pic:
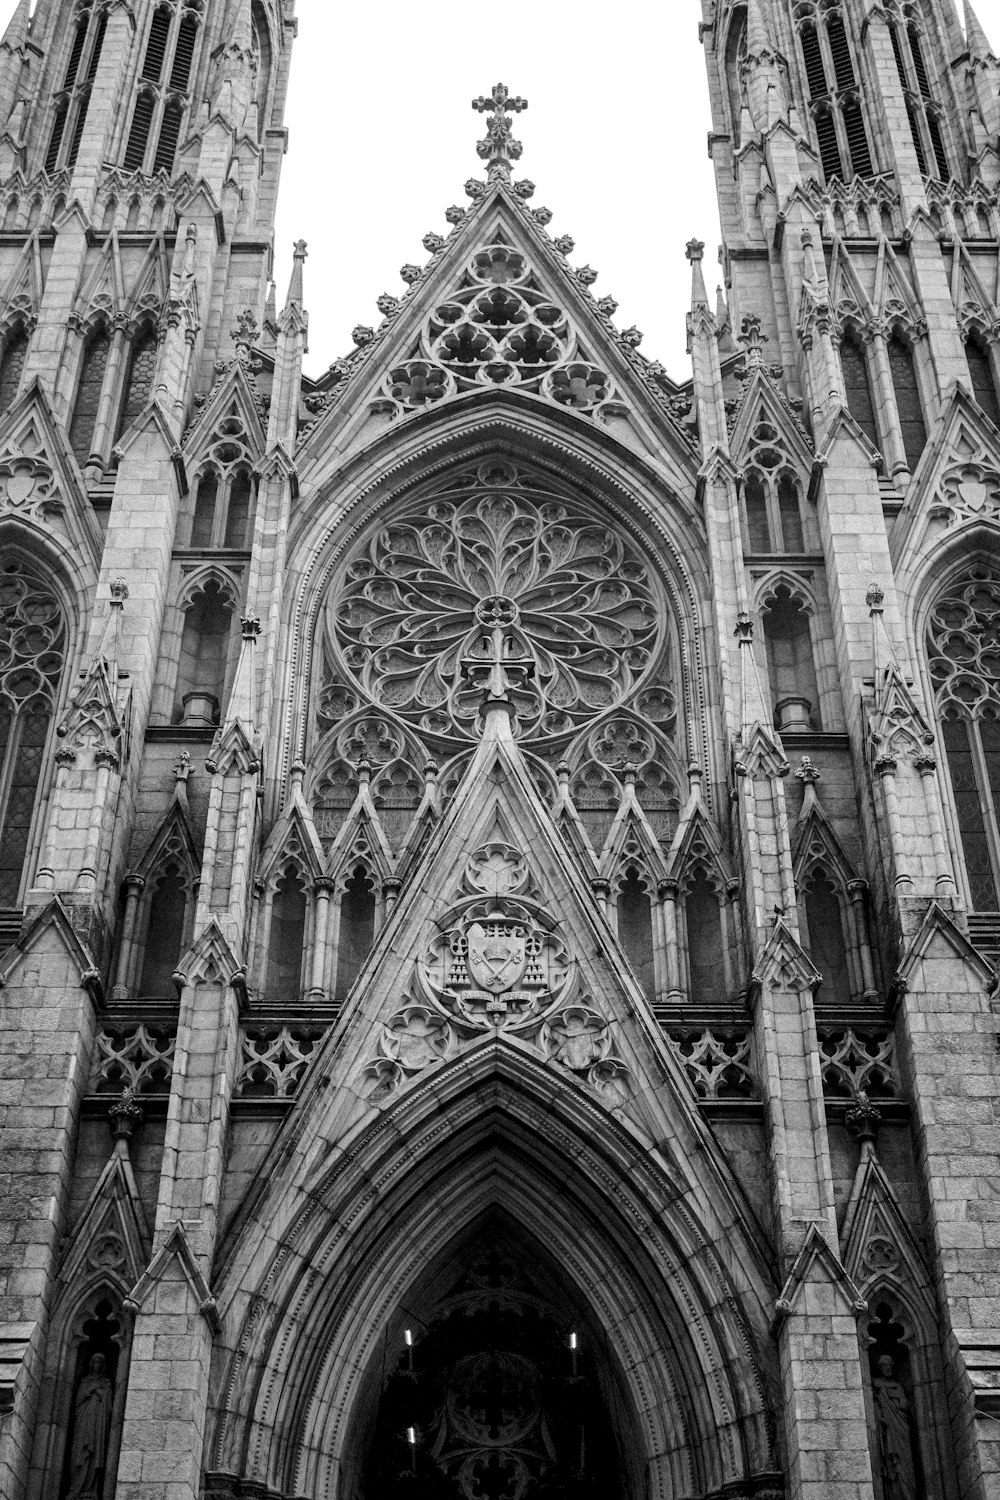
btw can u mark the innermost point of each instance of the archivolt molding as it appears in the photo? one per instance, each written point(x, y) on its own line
point(320, 550)
point(489, 1132)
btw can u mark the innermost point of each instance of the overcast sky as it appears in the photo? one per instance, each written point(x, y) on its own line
point(383, 137)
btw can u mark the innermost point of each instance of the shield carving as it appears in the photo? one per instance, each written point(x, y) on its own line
point(497, 955)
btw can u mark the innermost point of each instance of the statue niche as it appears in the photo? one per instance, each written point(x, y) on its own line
point(897, 1449)
point(92, 1413)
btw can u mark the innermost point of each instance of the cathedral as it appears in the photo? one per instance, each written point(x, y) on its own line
point(499, 848)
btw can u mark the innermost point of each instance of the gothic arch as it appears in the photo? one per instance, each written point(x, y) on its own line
point(614, 484)
point(685, 1331)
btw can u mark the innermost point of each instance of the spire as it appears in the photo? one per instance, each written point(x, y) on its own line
point(237, 68)
point(765, 92)
point(499, 148)
point(975, 36)
point(758, 41)
point(242, 708)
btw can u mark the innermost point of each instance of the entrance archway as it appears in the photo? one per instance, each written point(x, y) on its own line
point(500, 1396)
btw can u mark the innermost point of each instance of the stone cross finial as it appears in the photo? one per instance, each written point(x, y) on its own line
point(753, 341)
point(499, 148)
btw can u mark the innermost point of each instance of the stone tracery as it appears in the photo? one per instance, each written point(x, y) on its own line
point(498, 548)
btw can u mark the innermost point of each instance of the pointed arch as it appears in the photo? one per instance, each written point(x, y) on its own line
point(137, 387)
point(159, 912)
point(94, 358)
point(289, 924)
point(572, 1180)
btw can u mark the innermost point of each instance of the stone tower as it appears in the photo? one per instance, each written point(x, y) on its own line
point(499, 851)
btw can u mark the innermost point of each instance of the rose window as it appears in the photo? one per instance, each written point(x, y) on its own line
point(497, 557)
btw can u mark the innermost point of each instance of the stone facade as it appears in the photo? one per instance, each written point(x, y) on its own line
point(499, 851)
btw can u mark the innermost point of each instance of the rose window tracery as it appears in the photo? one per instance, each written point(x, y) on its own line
point(499, 328)
point(496, 551)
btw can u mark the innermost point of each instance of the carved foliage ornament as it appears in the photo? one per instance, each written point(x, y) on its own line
point(425, 594)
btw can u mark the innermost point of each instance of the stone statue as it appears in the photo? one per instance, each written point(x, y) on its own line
point(91, 1425)
point(895, 1435)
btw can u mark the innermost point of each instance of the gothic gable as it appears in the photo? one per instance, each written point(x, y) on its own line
point(498, 309)
point(40, 488)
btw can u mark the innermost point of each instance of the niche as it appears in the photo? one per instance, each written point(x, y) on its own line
point(357, 930)
point(790, 666)
point(635, 928)
point(201, 672)
point(705, 943)
point(164, 935)
point(286, 938)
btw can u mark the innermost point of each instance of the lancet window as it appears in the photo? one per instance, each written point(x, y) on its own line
point(923, 113)
point(635, 926)
point(225, 492)
point(162, 94)
point(857, 385)
point(33, 638)
point(74, 97)
point(207, 645)
point(824, 937)
point(705, 947)
point(962, 633)
point(286, 937)
point(834, 98)
point(90, 385)
point(906, 389)
point(736, 53)
point(773, 513)
point(356, 934)
point(984, 388)
point(15, 351)
point(169, 914)
point(138, 386)
point(791, 665)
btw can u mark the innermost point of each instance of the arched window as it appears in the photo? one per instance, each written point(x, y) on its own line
point(908, 407)
point(357, 930)
point(705, 942)
point(222, 509)
point(33, 632)
point(825, 938)
point(81, 69)
point(139, 382)
point(857, 386)
point(981, 375)
point(12, 367)
point(286, 938)
point(840, 127)
point(791, 669)
point(165, 931)
point(774, 517)
point(93, 367)
point(158, 113)
point(237, 509)
point(204, 659)
point(203, 525)
point(736, 52)
point(635, 928)
point(965, 670)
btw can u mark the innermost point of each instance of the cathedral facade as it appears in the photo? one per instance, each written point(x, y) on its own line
point(499, 850)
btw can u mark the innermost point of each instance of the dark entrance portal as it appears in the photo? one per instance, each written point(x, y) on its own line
point(493, 1402)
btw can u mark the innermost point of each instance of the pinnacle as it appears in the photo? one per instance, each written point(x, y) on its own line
point(17, 31)
point(699, 295)
point(295, 287)
point(758, 41)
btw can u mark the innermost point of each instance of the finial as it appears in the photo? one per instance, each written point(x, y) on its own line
point(244, 334)
point(753, 341)
point(499, 148)
point(695, 252)
point(807, 772)
point(182, 768)
point(251, 627)
point(295, 289)
point(295, 776)
point(499, 664)
point(125, 1114)
point(863, 1118)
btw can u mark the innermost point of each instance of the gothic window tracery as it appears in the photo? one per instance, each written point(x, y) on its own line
point(824, 938)
point(32, 654)
point(771, 497)
point(225, 491)
point(791, 665)
point(834, 96)
point(15, 351)
point(499, 551)
point(906, 388)
point(163, 89)
point(73, 98)
point(963, 633)
point(498, 327)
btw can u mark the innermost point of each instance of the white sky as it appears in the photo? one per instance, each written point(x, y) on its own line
point(383, 137)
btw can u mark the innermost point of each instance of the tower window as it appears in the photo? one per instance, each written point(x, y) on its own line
point(204, 659)
point(88, 394)
point(840, 127)
point(980, 373)
point(966, 677)
point(158, 117)
point(139, 385)
point(164, 934)
point(858, 387)
point(925, 129)
point(826, 943)
point(71, 110)
point(908, 407)
point(33, 630)
point(12, 367)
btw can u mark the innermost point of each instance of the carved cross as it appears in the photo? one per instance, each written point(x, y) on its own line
point(499, 664)
point(499, 148)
